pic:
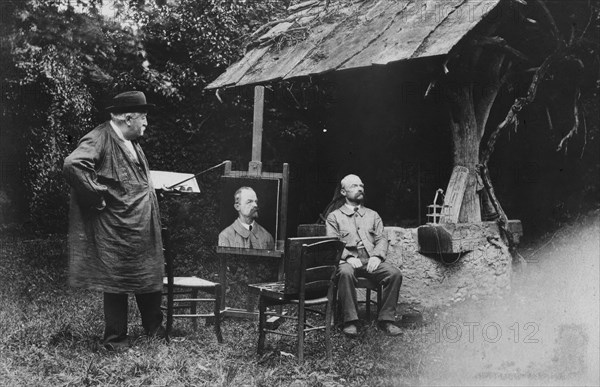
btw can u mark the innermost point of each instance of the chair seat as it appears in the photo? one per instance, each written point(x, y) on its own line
point(275, 290)
point(190, 282)
point(309, 302)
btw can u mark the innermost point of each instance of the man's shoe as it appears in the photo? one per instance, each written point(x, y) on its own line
point(117, 346)
point(389, 328)
point(159, 333)
point(350, 330)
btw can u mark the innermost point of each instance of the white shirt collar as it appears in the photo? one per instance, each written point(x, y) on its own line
point(246, 226)
point(352, 207)
point(128, 143)
point(117, 131)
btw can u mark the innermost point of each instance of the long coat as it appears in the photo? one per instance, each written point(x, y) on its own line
point(116, 249)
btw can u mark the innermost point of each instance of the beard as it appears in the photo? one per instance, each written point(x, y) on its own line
point(358, 198)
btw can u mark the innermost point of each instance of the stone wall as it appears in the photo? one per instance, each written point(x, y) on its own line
point(429, 282)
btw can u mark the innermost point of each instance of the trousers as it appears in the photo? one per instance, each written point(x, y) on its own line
point(115, 314)
point(387, 275)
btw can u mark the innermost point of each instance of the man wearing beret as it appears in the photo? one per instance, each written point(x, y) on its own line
point(364, 256)
point(115, 241)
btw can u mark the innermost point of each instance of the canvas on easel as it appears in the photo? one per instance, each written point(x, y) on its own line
point(266, 193)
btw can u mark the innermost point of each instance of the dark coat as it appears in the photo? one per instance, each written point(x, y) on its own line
point(117, 249)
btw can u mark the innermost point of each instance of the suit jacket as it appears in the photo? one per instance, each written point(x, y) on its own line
point(118, 248)
point(365, 225)
point(237, 235)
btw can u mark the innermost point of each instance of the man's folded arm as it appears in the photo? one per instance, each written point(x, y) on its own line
point(79, 170)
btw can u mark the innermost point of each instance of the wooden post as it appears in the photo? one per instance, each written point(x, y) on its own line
point(419, 192)
point(283, 213)
point(255, 165)
point(227, 168)
point(466, 138)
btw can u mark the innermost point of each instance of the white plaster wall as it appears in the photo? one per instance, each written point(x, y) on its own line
point(482, 273)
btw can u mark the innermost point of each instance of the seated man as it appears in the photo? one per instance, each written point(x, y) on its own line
point(245, 232)
point(364, 256)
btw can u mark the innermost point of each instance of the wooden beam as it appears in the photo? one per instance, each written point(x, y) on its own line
point(255, 166)
point(283, 216)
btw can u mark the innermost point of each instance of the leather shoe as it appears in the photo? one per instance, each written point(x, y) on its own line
point(389, 328)
point(117, 346)
point(350, 330)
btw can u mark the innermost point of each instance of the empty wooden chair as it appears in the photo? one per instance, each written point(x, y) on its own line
point(189, 289)
point(313, 285)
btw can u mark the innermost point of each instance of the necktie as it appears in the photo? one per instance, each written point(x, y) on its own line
point(250, 236)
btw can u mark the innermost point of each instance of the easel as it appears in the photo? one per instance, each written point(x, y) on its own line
point(255, 171)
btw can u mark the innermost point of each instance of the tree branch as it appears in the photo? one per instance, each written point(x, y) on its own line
point(573, 130)
point(498, 42)
point(517, 106)
point(584, 133)
point(489, 93)
point(550, 19)
point(549, 117)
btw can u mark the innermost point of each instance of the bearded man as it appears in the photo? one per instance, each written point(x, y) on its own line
point(245, 232)
point(364, 256)
point(115, 244)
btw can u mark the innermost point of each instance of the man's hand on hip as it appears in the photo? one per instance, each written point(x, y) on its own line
point(373, 264)
point(354, 262)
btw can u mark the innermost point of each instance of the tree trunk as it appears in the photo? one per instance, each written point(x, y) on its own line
point(466, 139)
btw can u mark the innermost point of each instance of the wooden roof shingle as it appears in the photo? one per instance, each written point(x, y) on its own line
point(352, 34)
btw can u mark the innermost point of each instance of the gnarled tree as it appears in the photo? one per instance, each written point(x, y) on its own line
point(534, 43)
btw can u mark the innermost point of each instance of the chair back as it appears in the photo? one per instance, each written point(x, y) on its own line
point(319, 263)
point(168, 254)
point(311, 229)
point(292, 261)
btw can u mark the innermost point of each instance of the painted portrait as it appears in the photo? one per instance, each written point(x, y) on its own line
point(248, 212)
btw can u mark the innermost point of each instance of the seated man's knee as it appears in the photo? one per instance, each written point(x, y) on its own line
point(345, 270)
point(394, 272)
point(397, 276)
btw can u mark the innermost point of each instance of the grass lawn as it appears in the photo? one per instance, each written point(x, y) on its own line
point(545, 332)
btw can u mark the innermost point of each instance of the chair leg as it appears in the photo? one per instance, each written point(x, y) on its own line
point(328, 313)
point(169, 311)
point(262, 320)
point(368, 303)
point(301, 324)
point(335, 307)
point(193, 309)
point(217, 312)
point(379, 295)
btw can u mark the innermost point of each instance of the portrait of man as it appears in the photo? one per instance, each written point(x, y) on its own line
point(245, 232)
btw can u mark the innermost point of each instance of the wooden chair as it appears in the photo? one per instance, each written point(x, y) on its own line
point(189, 287)
point(318, 263)
point(306, 230)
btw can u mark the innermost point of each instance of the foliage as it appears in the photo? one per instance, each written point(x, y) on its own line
point(58, 63)
point(61, 61)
